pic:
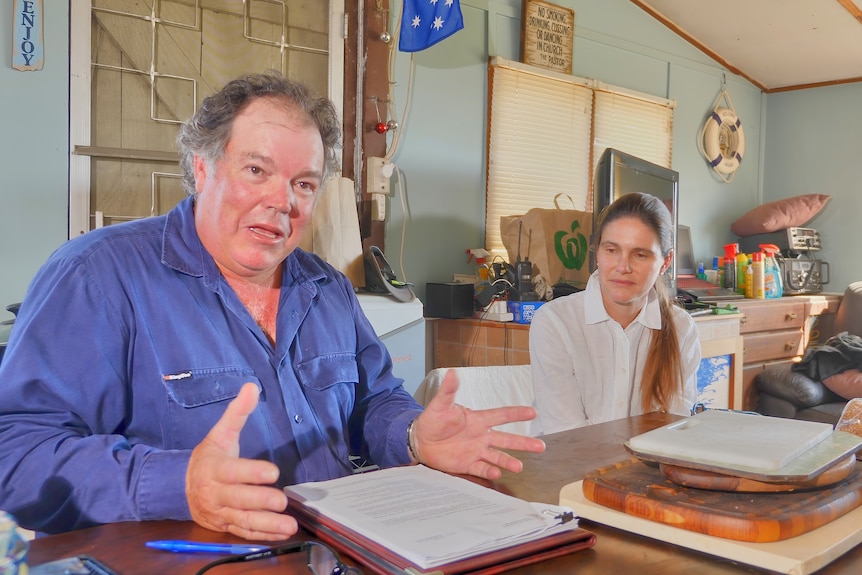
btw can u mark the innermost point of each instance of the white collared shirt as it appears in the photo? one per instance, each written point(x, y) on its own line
point(587, 369)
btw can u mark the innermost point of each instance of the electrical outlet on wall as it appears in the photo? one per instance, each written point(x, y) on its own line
point(378, 208)
point(378, 172)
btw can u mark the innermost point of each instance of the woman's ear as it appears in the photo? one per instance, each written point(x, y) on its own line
point(668, 259)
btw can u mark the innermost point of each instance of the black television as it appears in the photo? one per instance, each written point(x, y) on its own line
point(618, 173)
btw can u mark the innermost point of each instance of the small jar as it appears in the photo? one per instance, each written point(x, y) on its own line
point(13, 547)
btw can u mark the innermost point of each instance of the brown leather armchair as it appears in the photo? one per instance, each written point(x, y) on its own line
point(786, 393)
point(783, 392)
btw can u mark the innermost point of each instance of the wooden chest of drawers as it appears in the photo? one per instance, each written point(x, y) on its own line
point(773, 330)
point(778, 331)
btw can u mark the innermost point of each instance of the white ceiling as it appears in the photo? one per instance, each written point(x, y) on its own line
point(776, 44)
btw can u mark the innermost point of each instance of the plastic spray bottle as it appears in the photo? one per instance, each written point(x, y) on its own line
point(729, 280)
point(741, 268)
point(772, 284)
point(481, 255)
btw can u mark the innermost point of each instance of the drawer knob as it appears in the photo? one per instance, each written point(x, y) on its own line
point(790, 316)
point(789, 345)
point(743, 319)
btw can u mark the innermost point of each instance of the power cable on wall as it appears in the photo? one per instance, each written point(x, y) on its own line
point(399, 126)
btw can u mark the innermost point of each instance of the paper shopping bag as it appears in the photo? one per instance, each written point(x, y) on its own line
point(555, 240)
point(334, 234)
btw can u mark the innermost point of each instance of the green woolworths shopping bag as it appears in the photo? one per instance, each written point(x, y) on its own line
point(556, 241)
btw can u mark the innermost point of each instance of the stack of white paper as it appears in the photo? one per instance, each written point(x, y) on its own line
point(429, 517)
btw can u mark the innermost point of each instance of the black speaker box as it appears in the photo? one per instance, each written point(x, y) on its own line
point(449, 300)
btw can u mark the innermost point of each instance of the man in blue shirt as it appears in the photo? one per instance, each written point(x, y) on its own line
point(187, 366)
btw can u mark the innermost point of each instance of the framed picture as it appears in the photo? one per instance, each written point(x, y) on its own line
point(719, 375)
point(547, 35)
point(713, 382)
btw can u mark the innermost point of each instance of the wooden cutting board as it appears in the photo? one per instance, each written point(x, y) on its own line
point(801, 555)
point(642, 490)
point(696, 478)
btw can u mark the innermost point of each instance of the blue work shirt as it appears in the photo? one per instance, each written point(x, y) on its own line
point(126, 351)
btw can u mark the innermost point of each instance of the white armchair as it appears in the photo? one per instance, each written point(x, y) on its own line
point(485, 388)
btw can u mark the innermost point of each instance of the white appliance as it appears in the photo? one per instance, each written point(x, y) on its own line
point(401, 328)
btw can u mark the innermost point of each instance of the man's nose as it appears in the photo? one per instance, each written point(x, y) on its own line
point(281, 197)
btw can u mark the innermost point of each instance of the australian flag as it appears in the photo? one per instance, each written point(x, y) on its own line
point(426, 22)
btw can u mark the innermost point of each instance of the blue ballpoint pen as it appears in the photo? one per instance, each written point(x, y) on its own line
point(203, 547)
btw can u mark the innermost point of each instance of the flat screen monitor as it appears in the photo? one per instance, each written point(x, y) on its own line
point(684, 254)
point(618, 173)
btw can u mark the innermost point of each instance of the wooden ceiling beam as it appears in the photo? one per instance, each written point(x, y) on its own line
point(851, 7)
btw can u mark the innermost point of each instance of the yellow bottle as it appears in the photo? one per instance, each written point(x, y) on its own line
point(749, 283)
point(741, 268)
point(758, 276)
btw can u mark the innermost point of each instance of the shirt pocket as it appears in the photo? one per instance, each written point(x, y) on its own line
point(197, 399)
point(327, 370)
point(330, 382)
point(199, 387)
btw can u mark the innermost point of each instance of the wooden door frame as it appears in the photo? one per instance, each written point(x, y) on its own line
point(366, 76)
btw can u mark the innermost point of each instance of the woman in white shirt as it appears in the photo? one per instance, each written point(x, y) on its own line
point(621, 347)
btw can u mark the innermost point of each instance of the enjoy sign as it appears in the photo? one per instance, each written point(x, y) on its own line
point(27, 35)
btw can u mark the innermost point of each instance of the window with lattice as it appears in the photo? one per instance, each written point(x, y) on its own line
point(139, 68)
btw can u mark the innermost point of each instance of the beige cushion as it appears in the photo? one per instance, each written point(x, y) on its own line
point(774, 216)
point(847, 384)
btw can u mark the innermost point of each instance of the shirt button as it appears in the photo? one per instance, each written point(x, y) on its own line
point(297, 418)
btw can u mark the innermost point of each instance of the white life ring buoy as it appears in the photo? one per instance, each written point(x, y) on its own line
point(723, 141)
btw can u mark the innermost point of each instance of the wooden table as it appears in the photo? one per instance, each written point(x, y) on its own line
point(569, 456)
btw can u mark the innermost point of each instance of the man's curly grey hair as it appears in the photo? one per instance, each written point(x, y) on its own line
point(207, 132)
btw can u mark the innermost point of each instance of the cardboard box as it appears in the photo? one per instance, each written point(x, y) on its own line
point(524, 310)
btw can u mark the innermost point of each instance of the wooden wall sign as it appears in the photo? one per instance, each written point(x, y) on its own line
point(28, 44)
point(547, 35)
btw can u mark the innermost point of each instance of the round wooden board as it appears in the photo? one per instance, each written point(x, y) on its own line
point(700, 479)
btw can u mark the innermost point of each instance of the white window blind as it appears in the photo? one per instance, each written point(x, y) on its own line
point(633, 125)
point(546, 131)
point(539, 145)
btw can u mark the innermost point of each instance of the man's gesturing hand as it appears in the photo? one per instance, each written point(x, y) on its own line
point(227, 493)
point(452, 438)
